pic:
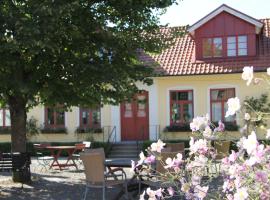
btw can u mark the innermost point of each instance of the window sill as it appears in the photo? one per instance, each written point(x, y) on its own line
point(88, 130)
point(54, 130)
point(177, 128)
point(5, 130)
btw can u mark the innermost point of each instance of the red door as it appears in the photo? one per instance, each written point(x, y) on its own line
point(135, 118)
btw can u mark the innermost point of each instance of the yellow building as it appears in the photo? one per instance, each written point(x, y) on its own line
point(196, 76)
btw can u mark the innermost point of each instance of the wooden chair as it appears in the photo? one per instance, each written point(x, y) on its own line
point(95, 175)
point(180, 147)
point(223, 150)
point(42, 160)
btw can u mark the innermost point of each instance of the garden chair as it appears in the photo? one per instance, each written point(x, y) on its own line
point(223, 150)
point(109, 172)
point(42, 160)
point(95, 175)
point(78, 148)
point(87, 144)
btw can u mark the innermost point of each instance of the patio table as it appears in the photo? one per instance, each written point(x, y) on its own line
point(56, 152)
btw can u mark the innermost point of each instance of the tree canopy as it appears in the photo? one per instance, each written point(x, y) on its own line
point(75, 52)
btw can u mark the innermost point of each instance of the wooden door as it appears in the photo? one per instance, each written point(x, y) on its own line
point(135, 118)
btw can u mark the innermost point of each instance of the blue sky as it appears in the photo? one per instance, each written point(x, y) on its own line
point(190, 11)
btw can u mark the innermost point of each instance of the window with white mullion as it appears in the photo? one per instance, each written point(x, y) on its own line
point(231, 46)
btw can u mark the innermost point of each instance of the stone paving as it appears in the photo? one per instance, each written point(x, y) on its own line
point(52, 184)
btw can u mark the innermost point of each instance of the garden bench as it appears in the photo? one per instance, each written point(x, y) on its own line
point(16, 162)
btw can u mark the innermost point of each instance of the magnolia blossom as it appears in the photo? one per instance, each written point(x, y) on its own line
point(207, 133)
point(233, 156)
point(268, 71)
point(247, 116)
point(221, 127)
point(268, 134)
point(158, 146)
point(150, 159)
point(250, 143)
point(175, 162)
point(233, 106)
point(200, 192)
point(199, 146)
point(199, 123)
point(241, 194)
point(170, 191)
point(152, 194)
point(247, 74)
point(142, 158)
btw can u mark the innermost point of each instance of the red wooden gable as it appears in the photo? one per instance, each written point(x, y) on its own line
point(224, 25)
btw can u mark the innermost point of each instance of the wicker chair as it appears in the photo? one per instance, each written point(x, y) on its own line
point(95, 177)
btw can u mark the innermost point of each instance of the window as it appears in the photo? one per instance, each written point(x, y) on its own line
point(212, 47)
point(218, 101)
point(181, 107)
point(54, 117)
point(237, 46)
point(242, 45)
point(4, 118)
point(90, 118)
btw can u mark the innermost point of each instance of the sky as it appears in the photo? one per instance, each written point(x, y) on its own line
point(190, 11)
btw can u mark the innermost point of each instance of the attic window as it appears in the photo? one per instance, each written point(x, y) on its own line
point(237, 46)
point(212, 47)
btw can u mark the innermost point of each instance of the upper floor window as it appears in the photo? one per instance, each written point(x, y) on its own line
point(90, 118)
point(212, 47)
point(181, 106)
point(218, 104)
point(4, 117)
point(54, 117)
point(237, 46)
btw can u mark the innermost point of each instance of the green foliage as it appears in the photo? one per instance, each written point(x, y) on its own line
point(76, 52)
point(258, 109)
point(32, 127)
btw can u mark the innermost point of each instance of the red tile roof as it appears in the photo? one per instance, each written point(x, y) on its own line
point(179, 59)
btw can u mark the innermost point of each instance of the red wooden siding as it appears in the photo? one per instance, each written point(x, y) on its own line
point(224, 25)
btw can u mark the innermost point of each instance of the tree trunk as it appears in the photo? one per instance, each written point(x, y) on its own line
point(17, 107)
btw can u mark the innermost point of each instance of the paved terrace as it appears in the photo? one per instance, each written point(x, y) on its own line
point(52, 185)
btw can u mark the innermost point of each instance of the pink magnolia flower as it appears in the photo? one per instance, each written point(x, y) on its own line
point(158, 146)
point(170, 191)
point(199, 123)
point(200, 192)
point(142, 158)
point(250, 143)
point(261, 176)
point(247, 74)
point(233, 156)
point(220, 128)
point(241, 194)
point(150, 159)
point(233, 106)
point(199, 146)
point(268, 134)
